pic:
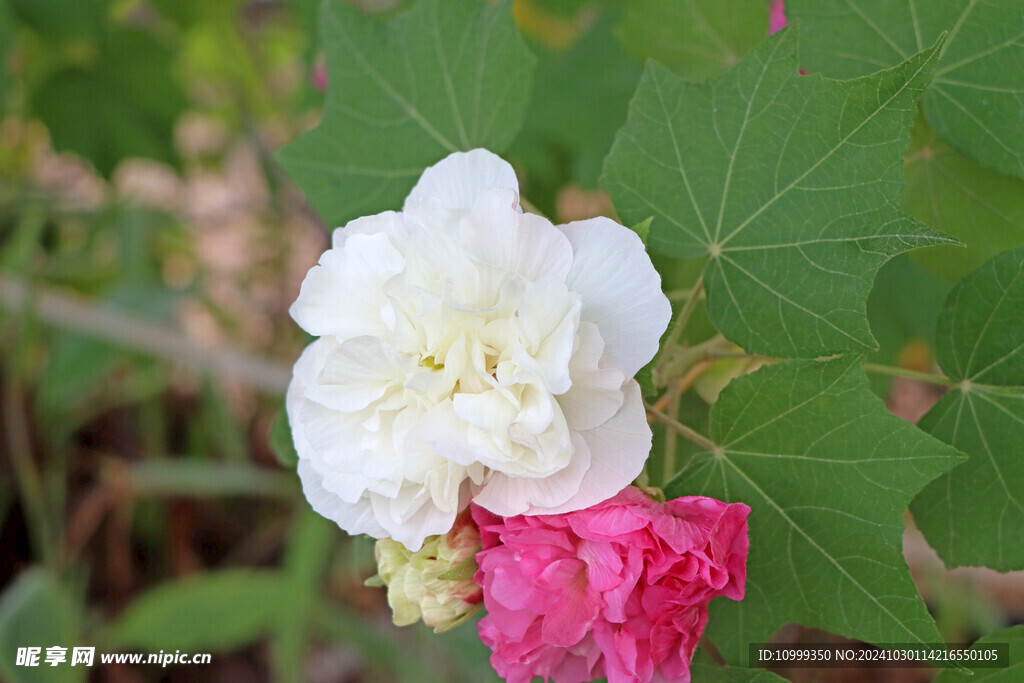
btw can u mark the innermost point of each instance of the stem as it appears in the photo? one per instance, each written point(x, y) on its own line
point(684, 315)
point(29, 481)
point(681, 429)
point(74, 313)
point(911, 374)
point(669, 464)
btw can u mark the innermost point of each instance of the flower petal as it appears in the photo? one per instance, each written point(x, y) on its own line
point(457, 180)
point(596, 392)
point(509, 495)
point(358, 518)
point(344, 295)
point(621, 290)
point(498, 235)
point(618, 450)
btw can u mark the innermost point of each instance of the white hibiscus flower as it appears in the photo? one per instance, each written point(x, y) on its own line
point(469, 350)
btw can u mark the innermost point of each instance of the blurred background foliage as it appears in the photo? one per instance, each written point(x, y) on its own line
point(149, 250)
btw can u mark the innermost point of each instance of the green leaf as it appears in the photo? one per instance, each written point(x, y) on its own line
point(982, 208)
point(1014, 637)
point(976, 102)
point(445, 76)
point(281, 441)
point(37, 611)
point(828, 473)
point(790, 183)
point(6, 44)
point(131, 98)
point(975, 514)
point(198, 478)
point(903, 307)
point(579, 101)
point(697, 39)
point(62, 19)
point(217, 611)
point(703, 670)
point(307, 557)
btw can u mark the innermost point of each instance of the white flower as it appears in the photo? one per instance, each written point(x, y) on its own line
point(470, 350)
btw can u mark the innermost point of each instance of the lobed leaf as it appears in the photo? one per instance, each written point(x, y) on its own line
point(976, 102)
point(697, 39)
point(443, 77)
point(1014, 637)
point(828, 473)
point(790, 183)
point(948, 191)
point(974, 515)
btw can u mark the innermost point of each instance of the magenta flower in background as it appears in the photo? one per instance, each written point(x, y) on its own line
point(620, 589)
point(778, 17)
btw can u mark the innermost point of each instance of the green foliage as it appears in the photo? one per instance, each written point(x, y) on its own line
point(579, 102)
point(975, 100)
point(697, 39)
point(970, 514)
point(791, 188)
point(62, 19)
point(37, 611)
point(828, 473)
point(1014, 636)
point(189, 614)
point(981, 208)
point(703, 670)
point(403, 94)
point(131, 97)
point(281, 441)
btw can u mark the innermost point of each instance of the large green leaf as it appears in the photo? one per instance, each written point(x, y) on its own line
point(703, 670)
point(976, 102)
point(975, 514)
point(982, 208)
point(124, 105)
point(37, 611)
point(62, 19)
point(579, 101)
point(445, 76)
point(790, 183)
point(828, 473)
point(1014, 637)
point(695, 38)
point(216, 611)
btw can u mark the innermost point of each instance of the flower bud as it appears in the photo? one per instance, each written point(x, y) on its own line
point(435, 583)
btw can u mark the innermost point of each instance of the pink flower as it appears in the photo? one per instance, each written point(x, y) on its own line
point(619, 589)
point(778, 17)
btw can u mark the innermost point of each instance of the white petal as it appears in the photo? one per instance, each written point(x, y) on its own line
point(454, 439)
point(358, 518)
point(344, 295)
point(548, 317)
point(618, 451)
point(389, 223)
point(620, 289)
point(596, 392)
point(507, 496)
point(497, 234)
point(357, 372)
point(412, 516)
point(458, 179)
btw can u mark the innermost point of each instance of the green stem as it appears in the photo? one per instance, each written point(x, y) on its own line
point(681, 429)
point(669, 464)
point(911, 374)
point(689, 305)
point(30, 482)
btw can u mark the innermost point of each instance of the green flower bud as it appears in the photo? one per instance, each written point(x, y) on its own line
point(435, 583)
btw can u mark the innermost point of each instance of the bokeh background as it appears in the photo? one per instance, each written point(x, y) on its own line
point(149, 250)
